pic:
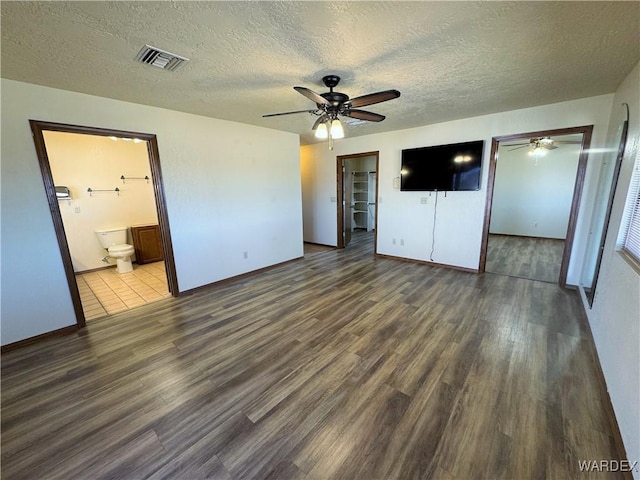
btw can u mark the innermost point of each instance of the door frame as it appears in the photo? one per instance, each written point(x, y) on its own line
point(37, 129)
point(586, 132)
point(340, 196)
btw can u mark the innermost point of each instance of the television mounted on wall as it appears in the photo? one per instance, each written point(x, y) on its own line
point(444, 168)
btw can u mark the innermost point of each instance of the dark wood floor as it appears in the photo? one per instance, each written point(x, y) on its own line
point(525, 257)
point(338, 366)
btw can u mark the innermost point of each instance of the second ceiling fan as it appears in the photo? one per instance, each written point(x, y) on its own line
point(541, 144)
point(331, 105)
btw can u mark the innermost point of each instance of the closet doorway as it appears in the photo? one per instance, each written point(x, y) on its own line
point(40, 131)
point(357, 193)
point(527, 232)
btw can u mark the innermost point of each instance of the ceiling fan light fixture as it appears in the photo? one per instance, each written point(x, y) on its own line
point(336, 129)
point(332, 104)
point(322, 132)
point(538, 151)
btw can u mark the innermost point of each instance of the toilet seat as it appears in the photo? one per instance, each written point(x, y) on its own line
point(123, 249)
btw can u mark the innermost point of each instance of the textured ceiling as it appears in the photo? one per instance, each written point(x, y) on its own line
point(450, 60)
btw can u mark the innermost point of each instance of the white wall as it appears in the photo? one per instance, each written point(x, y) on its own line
point(363, 164)
point(80, 162)
point(532, 196)
point(319, 194)
point(230, 188)
point(615, 315)
point(459, 219)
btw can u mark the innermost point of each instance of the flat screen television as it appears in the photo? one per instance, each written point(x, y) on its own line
point(447, 168)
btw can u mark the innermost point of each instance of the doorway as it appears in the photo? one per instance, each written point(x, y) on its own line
point(357, 192)
point(40, 130)
point(527, 233)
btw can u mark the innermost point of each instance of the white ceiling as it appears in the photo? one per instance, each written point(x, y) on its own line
point(449, 60)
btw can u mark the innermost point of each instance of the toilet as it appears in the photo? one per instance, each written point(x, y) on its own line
point(115, 241)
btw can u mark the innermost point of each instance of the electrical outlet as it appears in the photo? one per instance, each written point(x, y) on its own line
point(245, 255)
point(393, 241)
point(77, 209)
point(333, 199)
point(424, 200)
point(535, 224)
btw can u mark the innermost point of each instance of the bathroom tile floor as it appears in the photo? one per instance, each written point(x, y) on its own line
point(105, 292)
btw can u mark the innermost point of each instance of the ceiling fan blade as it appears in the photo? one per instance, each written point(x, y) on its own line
point(287, 113)
point(311, 95)
point(563, 142)
point(517, 148)
point(372, 98)
point(364, 115)
point(549, 147)
point(321, 119)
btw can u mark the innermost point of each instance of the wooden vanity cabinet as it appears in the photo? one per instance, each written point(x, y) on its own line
point(147, 243)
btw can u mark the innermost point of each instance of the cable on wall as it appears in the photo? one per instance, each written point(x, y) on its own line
point(433, 231)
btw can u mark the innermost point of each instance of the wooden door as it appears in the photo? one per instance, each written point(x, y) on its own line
point(371, 205)
point(347, 202)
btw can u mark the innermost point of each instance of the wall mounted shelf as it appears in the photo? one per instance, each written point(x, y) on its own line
point(146, 177)
point(92, 191)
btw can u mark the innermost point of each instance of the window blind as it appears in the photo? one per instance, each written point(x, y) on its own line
point(630, 226)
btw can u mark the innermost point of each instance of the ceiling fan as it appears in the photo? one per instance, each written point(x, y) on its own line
point(331, 105)
point(541, 144)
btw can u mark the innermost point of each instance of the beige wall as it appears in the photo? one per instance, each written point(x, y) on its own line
point(80, 162)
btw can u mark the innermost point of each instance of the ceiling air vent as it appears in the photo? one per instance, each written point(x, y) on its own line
point(160, 58)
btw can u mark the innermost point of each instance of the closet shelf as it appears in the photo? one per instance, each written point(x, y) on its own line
point(363, 200)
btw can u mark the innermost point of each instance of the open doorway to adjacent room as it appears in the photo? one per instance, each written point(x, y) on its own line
point(533, 197)
point(357, 180)
point(100, 181)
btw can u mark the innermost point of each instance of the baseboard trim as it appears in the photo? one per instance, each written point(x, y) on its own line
point(525, 236)
point(605, 397)
point(424, 262)
point(99, 269)
point(240, 276)
point(61, 332)
point(106, 267)
point(74, 328)
point(321, 244)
